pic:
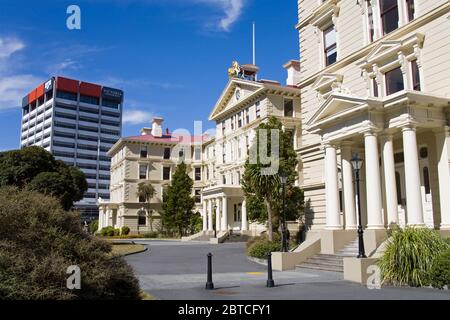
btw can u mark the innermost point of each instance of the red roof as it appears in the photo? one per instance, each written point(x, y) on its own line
point(168, 138)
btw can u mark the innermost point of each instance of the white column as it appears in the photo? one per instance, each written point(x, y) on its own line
point(443, 151)
point(217, 211)
point(373, 182)
point(205, 216)
point(349, 191)
point(100, 218)
point(390, 183)
point(244, 216)
point(224, 214)
point(210, 215)
point(414, 206)
point(332, 189)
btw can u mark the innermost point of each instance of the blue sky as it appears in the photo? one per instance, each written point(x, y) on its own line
point(169, 56)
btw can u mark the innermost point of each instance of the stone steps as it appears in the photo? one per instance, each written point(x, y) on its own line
point(331, 262)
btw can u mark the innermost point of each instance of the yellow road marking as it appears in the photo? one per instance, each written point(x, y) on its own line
point(255, 273)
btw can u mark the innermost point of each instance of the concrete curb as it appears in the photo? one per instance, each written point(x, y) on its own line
point(258, 261)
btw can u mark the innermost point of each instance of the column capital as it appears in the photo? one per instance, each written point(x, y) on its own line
point(387, 136)
point(409, 127)
point(328, 145)
point(445, 130)
point(370, 133)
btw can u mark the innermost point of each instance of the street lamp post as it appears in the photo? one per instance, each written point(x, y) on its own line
point(357, 164)
point(214, 221)
point(284, 244)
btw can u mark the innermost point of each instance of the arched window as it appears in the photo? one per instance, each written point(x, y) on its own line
point(426, 180)
point(399, 187)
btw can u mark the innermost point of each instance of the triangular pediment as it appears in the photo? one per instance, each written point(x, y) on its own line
point(382, 48)
point(336, 105)
point(229, 97)
point(325, 80)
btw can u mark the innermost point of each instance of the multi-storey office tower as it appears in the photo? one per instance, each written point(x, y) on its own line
point(77, 122)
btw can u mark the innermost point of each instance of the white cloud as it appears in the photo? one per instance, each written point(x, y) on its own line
point(232, 10)
point(134, 117)
point(8, 46)
point(13, 86)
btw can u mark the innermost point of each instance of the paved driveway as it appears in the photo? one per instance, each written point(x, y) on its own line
point(177, 271)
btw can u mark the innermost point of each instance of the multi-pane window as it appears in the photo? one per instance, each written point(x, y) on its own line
point(411, 9)
point(247, 116)
point(240, 119)
point(224, 155)
point(166, 173)
point(370, 18)
point(288, 108)
point(198, 154)
point(143, 171)
point(198, 174)
point(389, 15)
point(330, 46)
point(415, 75)
point(375, 87)
point(258, 109)
point(223, 127)
point(143, 151)
point(232, 123)
point(142, 219)
point(166, 153)
point(198, 197)
point(394, 81)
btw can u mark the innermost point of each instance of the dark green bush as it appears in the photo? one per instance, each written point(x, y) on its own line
point(93, 226)
point(116, 232)
point(263, 237)
point(125, 231)
point(261, 248)
point(107, 231)
point(151, 235)
point(39, 241)
point(440, 272)
point(409, 256)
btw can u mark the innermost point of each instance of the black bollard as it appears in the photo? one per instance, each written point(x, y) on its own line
point(209, 283)
point(270, 282)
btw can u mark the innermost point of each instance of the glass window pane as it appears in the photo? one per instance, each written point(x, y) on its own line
point(394, 81)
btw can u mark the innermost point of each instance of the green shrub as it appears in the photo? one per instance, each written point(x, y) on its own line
point(151, 235)
point(409, 256)
point(261, 248)
point(125, 231)
point(107, 232)
point(263, 237)
point(116, 232)
point(39, 241)
point(93, 226)
point(440, 272)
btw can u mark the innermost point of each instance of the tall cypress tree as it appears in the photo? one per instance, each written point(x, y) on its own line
point(178, 204)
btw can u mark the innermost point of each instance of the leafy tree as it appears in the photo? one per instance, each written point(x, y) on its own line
point(146, 191)
point(264, 191)
point(36, 169)
point(178, 202)
point(39, 241)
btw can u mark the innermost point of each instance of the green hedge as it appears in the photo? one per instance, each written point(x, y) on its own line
point(260, 249)
point(440, 272)
point(409, 256)
point(125, 231)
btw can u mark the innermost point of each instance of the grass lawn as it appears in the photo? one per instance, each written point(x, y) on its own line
point(121, 249)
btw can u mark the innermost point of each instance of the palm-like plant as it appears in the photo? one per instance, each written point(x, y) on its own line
point(147, 191)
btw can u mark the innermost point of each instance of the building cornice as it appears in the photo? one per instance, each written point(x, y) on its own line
point(395, 35)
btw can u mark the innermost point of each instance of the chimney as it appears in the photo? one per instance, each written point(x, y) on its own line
point(167, 131)
point(156, 127)
point(293, 70)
